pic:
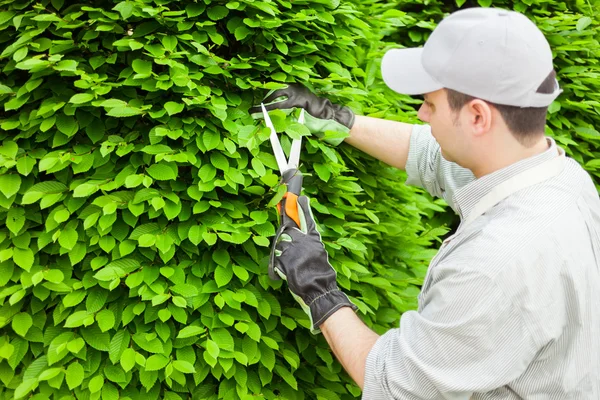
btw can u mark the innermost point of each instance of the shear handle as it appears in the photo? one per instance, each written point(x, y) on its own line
point(293, 179)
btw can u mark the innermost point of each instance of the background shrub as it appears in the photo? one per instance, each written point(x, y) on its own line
point(138, 196)
point(138, 200)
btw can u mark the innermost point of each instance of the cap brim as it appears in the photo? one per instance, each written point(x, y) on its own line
point(403, 72)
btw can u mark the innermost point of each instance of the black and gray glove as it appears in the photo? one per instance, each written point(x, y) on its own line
point(299, 257)
point(320, 114)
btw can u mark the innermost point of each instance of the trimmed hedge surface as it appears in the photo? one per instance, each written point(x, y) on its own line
point(138, 198)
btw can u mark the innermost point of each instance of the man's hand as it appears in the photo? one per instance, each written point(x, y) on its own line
point(299, 257)
point(320, 114)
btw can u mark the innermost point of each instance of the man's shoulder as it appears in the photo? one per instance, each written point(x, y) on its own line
point(509, 239)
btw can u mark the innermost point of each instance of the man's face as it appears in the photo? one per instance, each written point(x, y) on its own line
point(445, 125)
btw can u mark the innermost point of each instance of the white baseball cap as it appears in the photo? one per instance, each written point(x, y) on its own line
point(488, 53)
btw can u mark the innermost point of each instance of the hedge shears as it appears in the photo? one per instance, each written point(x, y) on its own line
point(290, 174)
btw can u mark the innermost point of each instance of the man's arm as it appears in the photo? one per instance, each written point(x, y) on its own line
point(385, 140)
point(351, 341)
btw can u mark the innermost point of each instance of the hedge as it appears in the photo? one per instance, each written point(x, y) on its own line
point(138, 200)
point(138, 195)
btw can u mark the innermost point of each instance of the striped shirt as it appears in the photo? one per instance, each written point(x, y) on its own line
point(510, 306)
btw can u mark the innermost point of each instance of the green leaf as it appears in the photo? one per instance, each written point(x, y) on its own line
point(96, 383)
point(95, 338)
point(241, 32)
point(75, 346)
point(211, 140)
point(10, 184)
point(169, 42)
point(109, 274)
point(190, 331)
point(184, 366)
point(85, 190)
point(287, 376)
point(25, 387)
point(194, 235)
point(81, 98)
point(76, 319)
point(112, 103)
point(156, 362)
point(54, 276)
point(106, 320)
point(218, 12)
point(68, 238)
point(185, 290)
point(25, 165)
point(125, 8)
point(15, 219)
point(179, 301)
point(49, 374)
point(223, 339)
point(147, 240)
point(223, 275)
point(322, 171)
point(74, 298)
point(127, 359)
point(23, 258)
point(162, 172)
point(219, 161)
point(173, 108)
point(66, 65)
point(258, 167)
point(122, 112)
point(77, 253)
point(119, 344)
point(212, 348)
point(32, 63)
point(66, 124)
point(74, 375)
point(142, 67)
point(583, 23)
point(21, 323)
point(221, 257)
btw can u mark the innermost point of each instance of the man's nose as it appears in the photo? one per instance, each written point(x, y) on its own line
point(423, 113)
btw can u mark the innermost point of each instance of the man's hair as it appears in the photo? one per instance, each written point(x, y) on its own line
point(525, 123)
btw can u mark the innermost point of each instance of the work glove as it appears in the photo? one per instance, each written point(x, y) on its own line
point(320, 114)
point(299, 257)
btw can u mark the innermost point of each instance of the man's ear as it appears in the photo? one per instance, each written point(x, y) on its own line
point(480, 116)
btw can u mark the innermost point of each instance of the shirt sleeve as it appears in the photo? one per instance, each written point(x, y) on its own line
point(467, 338)
point(428, 169)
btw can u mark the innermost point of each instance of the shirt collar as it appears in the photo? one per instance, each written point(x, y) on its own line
point(469, 195)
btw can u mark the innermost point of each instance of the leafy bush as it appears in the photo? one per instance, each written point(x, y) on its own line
point(138, 196)
point(138, 199)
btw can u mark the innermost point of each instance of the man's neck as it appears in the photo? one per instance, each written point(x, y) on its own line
point(519, 153)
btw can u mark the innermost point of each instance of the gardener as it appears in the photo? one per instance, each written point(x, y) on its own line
point(509, 307)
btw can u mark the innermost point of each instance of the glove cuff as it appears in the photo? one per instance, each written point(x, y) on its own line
point(323, 306)
point(345, 116)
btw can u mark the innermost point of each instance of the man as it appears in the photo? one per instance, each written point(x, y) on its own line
point(509, 307)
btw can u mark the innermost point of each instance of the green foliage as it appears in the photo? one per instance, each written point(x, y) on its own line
point(138, 198)
point(138, 195)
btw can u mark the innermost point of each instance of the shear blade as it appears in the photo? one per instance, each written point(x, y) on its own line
point(277, 150)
